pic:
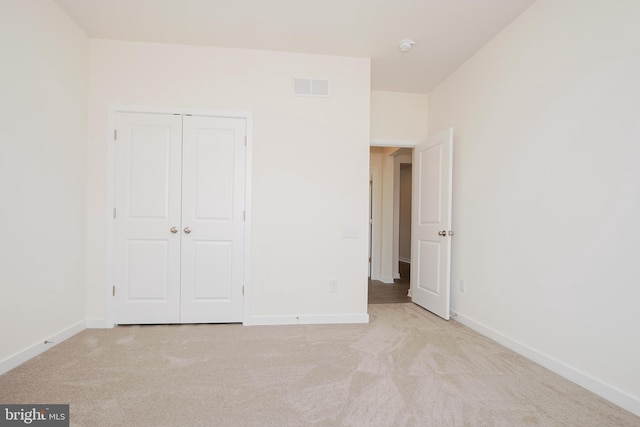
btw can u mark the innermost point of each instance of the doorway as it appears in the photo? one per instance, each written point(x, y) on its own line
point(390, 224)
point(431, 233)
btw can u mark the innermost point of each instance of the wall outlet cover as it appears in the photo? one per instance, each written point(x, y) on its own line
point(333, 286)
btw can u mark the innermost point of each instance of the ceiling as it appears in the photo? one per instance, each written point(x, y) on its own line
point(447, 32)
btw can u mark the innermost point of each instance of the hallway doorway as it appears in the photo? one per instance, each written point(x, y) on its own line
point(390, 195)
point(386, 293)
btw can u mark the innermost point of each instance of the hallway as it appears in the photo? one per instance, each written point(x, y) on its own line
point(386, 293)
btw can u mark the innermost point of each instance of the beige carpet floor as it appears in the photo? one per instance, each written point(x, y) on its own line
point(405, 368)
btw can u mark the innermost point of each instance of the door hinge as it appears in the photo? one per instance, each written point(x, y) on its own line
point(113, 291)
point(243, 290)
point(115, 134)
point(114, 212)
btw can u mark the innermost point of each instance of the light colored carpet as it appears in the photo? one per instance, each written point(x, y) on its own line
point(406, 368)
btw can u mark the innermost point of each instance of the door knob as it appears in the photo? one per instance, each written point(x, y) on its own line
point(174, 230)
point(187, 230)
point(442, 233)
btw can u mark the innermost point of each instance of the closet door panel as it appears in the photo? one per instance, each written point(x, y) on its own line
point(147, 206)
point(213, 188)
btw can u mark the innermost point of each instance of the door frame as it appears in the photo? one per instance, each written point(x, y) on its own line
point(113, 110)
point(376, 175)
point(374, 227)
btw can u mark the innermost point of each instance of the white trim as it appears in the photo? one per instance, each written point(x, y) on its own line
point(99, 324)
point(376, 225)
point(395, 242)
point(388, 142)
point(28, 353)
point(388, 280)
point(310, 319)
point(111, 186)
point(109, 321)
point(154, 109)
point(407, 260)
point(602, 389)
point(248, 188)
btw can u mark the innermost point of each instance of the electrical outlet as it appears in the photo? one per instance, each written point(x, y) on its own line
point(463, 285)
point(333, 286)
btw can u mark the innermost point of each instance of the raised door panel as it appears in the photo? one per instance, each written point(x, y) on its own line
point(429, 262)
point(149, 172)
point(430, 183)
point(213, 271)
point(147, 267)
point(214, 174)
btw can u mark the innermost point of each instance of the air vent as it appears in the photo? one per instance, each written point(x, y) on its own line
point(309, 87)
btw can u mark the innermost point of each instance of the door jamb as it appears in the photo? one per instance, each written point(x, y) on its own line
point(374, 227)
point(112, 111)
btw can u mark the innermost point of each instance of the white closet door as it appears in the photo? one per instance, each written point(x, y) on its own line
point(213, 188)
point(147, 201)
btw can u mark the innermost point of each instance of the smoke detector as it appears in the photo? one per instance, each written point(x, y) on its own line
point(406, 45)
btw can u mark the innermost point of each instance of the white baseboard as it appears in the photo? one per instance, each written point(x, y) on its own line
point(22, 356)
point(308, 319)
point(407, 260)
point(98, 324)
point(602, 389)
point(384, 279)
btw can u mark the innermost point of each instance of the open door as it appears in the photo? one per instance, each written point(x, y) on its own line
point(431, 227)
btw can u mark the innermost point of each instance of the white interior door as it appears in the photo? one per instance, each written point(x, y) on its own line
point(213, 188)
point(179, 218)
point(431, 230)
point(147, 200)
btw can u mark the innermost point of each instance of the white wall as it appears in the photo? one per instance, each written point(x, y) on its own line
point(398, 117)
point(546, 122)
point(310, 164)
point(375, 175)
point(44, 77)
